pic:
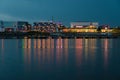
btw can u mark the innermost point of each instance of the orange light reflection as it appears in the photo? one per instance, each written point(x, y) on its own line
point(66, 50)
point(79, 49)
point(106, 44)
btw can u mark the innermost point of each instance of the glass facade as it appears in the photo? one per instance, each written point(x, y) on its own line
point(21, 24)
point(9, 24)
point(13, 24)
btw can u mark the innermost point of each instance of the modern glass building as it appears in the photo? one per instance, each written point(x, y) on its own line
point(16, 25)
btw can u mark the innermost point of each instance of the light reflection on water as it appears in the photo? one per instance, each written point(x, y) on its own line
point(81, 56)
point(45, 48)
point(56, 49)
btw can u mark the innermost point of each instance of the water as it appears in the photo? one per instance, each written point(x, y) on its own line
point(59, 59)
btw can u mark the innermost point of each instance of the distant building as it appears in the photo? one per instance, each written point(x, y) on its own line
point(105, 28)
point(82, 27)
point(14, 25)
point(45, 26)
point(89, 27)
point(84, 24)
point(1, 26)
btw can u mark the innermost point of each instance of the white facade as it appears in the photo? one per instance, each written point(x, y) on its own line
point(83, 24)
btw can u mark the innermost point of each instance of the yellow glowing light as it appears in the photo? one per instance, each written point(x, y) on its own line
point(86, 30)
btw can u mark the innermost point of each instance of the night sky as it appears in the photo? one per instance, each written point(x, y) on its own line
point(65, 11)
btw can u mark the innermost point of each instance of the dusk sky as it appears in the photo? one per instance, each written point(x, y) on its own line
point(65, 11)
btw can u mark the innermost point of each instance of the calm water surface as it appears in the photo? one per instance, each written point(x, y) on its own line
point(59, 59)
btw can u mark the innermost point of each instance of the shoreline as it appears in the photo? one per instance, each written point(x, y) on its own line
point(56, 35)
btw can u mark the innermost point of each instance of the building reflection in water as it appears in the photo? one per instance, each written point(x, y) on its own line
point(35, 43)
point(2, 43)
point(59, 43)
point(43, 43)
point(2, 50)
point(39, 43)
point(79, 50)
point(86, 48)
point(35, 50)
point(71, 43)
point(27, 52)
point(52, 43)
point(106, 47)
point(48, 43)
point(26, 43)
point(50, 50)
point(90, 47)
point(42, 50)
point(59, 49)
point(65, 45)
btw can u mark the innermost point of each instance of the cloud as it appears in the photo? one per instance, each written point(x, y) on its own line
point(7, 17)
point(103, 11)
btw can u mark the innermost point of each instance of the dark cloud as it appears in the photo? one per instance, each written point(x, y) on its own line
point(103, 11)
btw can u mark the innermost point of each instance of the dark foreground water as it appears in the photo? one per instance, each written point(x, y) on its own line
point(59, 59)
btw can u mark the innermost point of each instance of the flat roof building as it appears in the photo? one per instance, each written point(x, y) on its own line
point(13, 24)
point(84, 24)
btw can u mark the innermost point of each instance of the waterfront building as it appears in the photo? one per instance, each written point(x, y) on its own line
point(79, 30)
point(45, 26)
point(84, 24)
point(82, 27)
point(90, 27)
point(89, 30)
point(105, 28)
point(14, 25)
